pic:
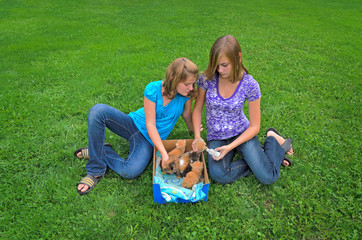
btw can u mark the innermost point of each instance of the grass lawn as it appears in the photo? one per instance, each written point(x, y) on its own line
point(59, 58)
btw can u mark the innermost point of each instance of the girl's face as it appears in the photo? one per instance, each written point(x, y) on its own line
point(224, 67)
point(184, 87)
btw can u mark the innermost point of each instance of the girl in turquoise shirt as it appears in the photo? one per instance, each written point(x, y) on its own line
point(164, 102)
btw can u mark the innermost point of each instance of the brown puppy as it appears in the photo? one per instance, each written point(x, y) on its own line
point(183, 165)
point(193, 177)
point(194, 156)
point(174, 155)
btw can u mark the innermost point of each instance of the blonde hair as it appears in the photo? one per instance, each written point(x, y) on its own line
point(229, 47)
point(178, 71)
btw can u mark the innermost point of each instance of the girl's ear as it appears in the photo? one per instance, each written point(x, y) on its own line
point(171, 78)
point(240, 57)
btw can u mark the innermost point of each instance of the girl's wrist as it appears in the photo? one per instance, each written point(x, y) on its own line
point(163, 154)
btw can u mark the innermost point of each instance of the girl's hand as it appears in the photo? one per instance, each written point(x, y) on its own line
point(164, 160)
point(194, 144)
point(196, 140)
point(223, 151)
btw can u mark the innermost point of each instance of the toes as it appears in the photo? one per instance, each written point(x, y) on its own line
point(85, 188)
point(79, 155)
point(82, 187)
point(285, 163)
point(290, 152)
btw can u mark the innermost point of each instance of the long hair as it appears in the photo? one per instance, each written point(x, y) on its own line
point(178, 71)
point(229, 47)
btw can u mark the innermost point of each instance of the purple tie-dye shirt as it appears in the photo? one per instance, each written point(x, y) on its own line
point(224, 116)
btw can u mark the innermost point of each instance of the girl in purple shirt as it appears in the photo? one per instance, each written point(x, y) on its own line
point(223, 88)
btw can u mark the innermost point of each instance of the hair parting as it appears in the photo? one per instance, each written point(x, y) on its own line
point(229, 47)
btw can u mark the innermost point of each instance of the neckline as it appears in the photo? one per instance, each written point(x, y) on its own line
point(218, 92)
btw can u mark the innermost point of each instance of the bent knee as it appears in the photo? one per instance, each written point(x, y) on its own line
point(97, 111)
point(130, 172)
point(268, 180)
point(219, 176)
point(99, 107)
point(220, 180)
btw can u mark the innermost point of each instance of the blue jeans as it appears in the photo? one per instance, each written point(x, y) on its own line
point(265, 165)
point(102, 116)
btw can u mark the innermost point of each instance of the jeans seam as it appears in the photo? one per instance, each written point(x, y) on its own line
point(122, 127)
point(239, 166)
point(231, 168)
point(134, 143)
point(131, 137)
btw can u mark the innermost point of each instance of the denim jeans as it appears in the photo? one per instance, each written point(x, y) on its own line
point(102, 116)
point(265, 165)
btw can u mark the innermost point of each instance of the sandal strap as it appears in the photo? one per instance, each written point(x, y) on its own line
point(288, 160)
point(90, 181)
point(85, 153)
point(287, 145)
point(273, 130)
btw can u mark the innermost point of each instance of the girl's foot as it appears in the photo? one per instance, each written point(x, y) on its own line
point(87, 184)
point(285, 163)
point(82, 188)
point(84, 151)
point(280, 140)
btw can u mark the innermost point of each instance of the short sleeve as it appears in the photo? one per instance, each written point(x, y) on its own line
point(253, 90)
point(202, 82)
point(151, 91)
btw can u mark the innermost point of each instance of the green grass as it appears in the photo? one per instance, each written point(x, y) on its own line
point(59, 58)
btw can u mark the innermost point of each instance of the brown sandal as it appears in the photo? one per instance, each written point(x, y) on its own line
point(85, 152)
point(287, 145)
point(89, 181)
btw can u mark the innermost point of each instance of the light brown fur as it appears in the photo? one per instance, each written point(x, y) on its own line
point(182, 164)
point(193, 177)
point(174, 155)
point(200, 145)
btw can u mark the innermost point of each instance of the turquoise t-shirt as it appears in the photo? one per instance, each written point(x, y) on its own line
point(166, 116)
